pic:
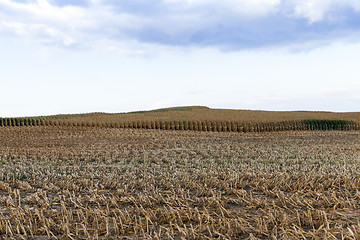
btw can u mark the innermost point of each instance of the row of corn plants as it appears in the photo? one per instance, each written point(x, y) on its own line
point(17, 122)
point(212, 126)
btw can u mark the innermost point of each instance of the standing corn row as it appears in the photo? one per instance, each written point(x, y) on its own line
point(213, 126)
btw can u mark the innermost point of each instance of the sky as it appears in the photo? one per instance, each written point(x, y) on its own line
point(62, 56)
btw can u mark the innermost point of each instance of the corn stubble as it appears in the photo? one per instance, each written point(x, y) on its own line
point(108, 183)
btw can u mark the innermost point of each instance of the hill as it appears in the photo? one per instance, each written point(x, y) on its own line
point(201, 113)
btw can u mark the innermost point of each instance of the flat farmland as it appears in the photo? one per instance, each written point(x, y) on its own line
point(120, 183)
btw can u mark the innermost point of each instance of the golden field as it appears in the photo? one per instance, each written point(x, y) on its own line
point(200, 113)
point(71, 182)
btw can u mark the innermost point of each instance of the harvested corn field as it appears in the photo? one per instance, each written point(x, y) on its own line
point(88, 182)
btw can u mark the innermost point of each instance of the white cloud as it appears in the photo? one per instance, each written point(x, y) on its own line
point(253, 7)
point(226, 24)
point(316, 10)
point(37, 32)
point(312, 10)
point(243, 7)
point(44, 10)
point(39, 21)
point(28, 30)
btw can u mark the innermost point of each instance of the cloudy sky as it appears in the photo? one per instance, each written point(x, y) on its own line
point(63, 56)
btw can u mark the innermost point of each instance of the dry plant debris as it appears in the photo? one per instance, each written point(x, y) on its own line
point(108, 183)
